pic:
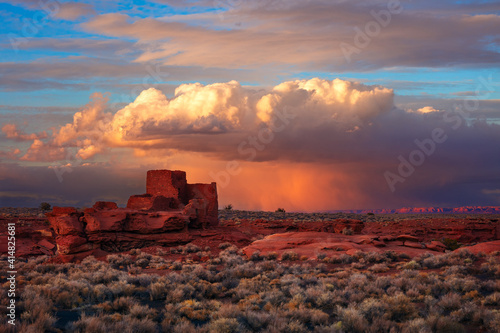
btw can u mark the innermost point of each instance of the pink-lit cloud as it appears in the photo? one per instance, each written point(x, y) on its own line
point(12, 132)
point(308, 35)
point(74, 10)
point(223, 110)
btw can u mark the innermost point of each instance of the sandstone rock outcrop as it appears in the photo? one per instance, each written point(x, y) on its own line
point(486, 247)
point(163, 215)
point(311, 243)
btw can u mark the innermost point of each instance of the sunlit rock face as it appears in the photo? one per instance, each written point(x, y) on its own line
point(169, 207)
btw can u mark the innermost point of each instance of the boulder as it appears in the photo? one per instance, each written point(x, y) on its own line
point(208, 193)
point(436, 246)
point(379, 243)
point(156, 222)
point(355, 225)
point(105, 220)
point(73, 244)
point(196, 211)
point(486, 247)
point(415, 245)
point(124, 241)
point(66, 224)
point(44, 233)
point(405, 238)
point(46, 244)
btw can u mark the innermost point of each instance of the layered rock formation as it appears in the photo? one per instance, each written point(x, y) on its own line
point(161, 216)
point(431, 210)
point(312, 243)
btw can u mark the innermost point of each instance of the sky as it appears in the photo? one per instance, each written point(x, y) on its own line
point(306, 105)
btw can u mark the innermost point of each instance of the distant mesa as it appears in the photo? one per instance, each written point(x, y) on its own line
point(161, 216)
point(431, 210)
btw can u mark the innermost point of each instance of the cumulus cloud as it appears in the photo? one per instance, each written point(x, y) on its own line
point(223, 110)
point(11, 154)
point(40, 151)
point(12, 132)
point(427, 109)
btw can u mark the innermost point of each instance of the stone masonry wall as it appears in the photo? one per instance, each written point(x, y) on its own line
point(163, 215)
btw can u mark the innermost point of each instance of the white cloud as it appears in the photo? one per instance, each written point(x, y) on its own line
point(427, 109)
point(152, 119)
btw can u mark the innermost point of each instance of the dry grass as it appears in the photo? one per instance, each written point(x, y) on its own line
point(232, 293)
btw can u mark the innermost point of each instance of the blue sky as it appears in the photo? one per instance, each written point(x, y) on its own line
point(55, 55)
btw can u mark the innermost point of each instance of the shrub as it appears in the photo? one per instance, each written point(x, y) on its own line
point(256, 320)
point(449, 302)
point(37, 314)
point(372, 308)
point(465, 313)
point(403, 255)
point(272, 256)
point(347, 231)
point(224, 245)
point(416, 326)
point(296, 326)
point(89, 324)
point(119, 260)
point(45, 206)
point(280, 210)
point(289, 256)
point(379, 268)
point(321, 256)
point(224, 325)
point(493, 299)
point(142, 311)
point(143, 263)
point(176, 266)
point(445, 325)
point(411, 265)
point(135, 252)
point(161, 252)
point(145, 325)
point(400, 308)
point(352, 320)
point(345, 258)
point(375, 257)
point(451, 244)
point(228, 207)
point(237, 294)
point(191, 248)
point(183, 326)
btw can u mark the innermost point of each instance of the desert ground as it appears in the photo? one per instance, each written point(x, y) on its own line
point(265, 272)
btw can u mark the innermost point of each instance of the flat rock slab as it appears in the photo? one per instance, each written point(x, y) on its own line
point(414, 245)
point(46, 244)
point(486, 247)
point(310, 244)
